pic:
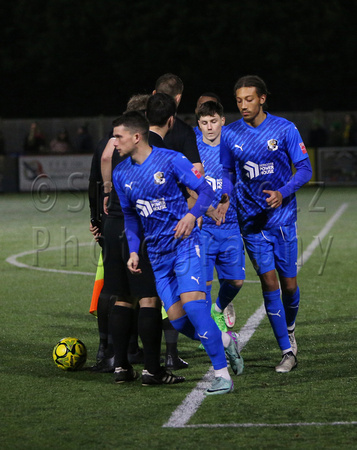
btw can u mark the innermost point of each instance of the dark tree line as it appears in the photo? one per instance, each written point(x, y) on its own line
point(86, 57)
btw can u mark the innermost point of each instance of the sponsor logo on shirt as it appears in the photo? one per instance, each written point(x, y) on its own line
point(147, 207)
point(272, 145)
point(215, 184)
point(253, 170)
point(159, 178)
point(196, 172)
point(303, 148)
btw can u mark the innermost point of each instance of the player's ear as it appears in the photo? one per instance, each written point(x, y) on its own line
point(263, 99)
point(154, 92)
point(223, 120)
point(170, 122)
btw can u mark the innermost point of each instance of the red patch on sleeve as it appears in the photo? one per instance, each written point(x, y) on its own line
point(303, 148)
point(196, 172)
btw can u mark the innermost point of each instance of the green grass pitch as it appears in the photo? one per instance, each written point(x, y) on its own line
point(44, 407)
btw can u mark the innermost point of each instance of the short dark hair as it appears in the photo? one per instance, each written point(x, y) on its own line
point(160, 107)
point(210, 108)
point(169, 84)
point(135, 121)
point(252, 81)
point(212, 95)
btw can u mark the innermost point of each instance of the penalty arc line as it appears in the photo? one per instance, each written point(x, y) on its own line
point(193, 400)
point(13, 260)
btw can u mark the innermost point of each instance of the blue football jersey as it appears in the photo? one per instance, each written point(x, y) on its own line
point(261, 158)
point(152, 189)
point(198, 133)
point(210, 157)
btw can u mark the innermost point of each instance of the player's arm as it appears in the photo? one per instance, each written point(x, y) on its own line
point(132, 226)
point(302, 176)
point(106, 169)
point(228, 179)
point(94, 194)
point(205, 196)
point(298, 154)
point(192, 179)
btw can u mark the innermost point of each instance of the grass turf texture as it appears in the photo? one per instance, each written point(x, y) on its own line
point(43, 406)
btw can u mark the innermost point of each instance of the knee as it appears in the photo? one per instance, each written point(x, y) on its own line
point(289, 291)
point(236, 283)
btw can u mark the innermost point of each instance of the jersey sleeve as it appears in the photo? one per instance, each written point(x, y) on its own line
point(295, 145)
point(131, 219)
point(186, 173)
point(226, 156)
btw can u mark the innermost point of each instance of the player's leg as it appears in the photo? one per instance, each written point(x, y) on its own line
point(110, 289)
point(230, 267)
point(172, 359)
point(135, 353)
point(150, 332)
point(150, 329)
point(210, 251)
point(286, 262)
point(190, 276)
point(260, 248)
point(121, 320)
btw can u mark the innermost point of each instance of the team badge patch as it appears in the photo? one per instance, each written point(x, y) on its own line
point(272, 145)
point(303, 148)
point(196, 172)
point(159, 178)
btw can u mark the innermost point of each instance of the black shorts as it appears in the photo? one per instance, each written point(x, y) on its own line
point(118, 280)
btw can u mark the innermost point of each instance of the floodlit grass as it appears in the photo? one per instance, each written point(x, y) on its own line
point(44, 407)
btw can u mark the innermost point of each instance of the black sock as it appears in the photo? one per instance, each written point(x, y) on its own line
point(105, 304)
point(133, 343)
point(150, 333)
point(171, 337)
point(120, 326)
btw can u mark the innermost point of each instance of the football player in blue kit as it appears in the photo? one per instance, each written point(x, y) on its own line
point(258, 151)
point(223, 245)
point(149, 184)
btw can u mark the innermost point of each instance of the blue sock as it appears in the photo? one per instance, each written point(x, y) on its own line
point(276, 314)
point(291, 306)
point(184, 326)
point(226, 294)
point(199, 313)
point(208, 293)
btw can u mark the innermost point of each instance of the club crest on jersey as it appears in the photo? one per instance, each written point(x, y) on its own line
point(159, 178)
point(196, 172)
point(272, 145)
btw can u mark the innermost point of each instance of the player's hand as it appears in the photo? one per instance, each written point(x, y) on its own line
point(105, 204)
point(275, 198)
point(213, 214)
point(185, 226)
point(133, 263)
point(222, 209)
point(199, 222)
point(95, 231)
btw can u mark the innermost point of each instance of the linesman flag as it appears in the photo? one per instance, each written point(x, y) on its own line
point(98, 284)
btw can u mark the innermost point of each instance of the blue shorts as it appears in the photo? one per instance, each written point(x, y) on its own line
point(272, 249)
point(180, 271)
point(224, 250)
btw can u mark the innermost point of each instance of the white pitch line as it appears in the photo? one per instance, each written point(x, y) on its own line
point(13, 260)
point(269, 425)
point(193, 400)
